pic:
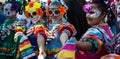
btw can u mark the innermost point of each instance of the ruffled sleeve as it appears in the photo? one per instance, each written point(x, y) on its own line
point(39, 30)
point(67, 28)
point(95, 37)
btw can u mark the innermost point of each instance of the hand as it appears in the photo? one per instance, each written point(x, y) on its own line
point(42, 53)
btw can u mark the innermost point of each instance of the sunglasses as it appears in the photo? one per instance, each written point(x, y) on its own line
point(54, 12)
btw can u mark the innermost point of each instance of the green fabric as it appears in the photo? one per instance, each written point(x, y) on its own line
point(8, 45)
point(6, 57)
point(17, 47)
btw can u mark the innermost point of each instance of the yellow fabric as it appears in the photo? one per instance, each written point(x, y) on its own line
point(66, 54)
point(51, 51)
point(26, 44)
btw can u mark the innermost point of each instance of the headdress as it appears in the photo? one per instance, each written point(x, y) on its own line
point(33, 9)
point(62, 10)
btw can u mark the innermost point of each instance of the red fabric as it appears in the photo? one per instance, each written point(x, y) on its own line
point(82, 55)
point(49, 1)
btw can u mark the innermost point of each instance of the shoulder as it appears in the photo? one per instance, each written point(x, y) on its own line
point(67, 27)
point(93, 33)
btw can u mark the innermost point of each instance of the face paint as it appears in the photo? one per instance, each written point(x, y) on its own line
point(94, 13)
point(7, 9)
point(36, 19)
point(54, 12)
point(33, 15)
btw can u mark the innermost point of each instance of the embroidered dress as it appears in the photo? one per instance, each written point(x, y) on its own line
point(117, 46)
point(33, 36)
point(24, 50)
point(7, 44)
point(53, 43)
point(101, 38)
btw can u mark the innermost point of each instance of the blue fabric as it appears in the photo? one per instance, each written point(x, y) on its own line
point(54, 42)
point(2, 17)
point(33, 41)
point(93, 31)
point(67, 31)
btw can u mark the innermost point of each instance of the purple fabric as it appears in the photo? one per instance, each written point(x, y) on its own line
point(68, 47)
point(15, 6)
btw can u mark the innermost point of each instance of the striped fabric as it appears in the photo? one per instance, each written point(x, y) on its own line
point(68, 50)
point(25, 48)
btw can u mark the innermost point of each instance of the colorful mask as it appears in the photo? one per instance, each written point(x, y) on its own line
point(33, 11)
point(7, 9)
point(61, 10)
point(91, 12)
point(11, 8)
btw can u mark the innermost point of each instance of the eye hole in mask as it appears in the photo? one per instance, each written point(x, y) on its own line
point(34, 13)
point(54, 12)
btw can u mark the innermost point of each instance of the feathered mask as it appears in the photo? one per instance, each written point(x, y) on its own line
point(33, 9)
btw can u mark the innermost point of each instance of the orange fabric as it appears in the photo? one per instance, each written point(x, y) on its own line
point(68, 27)
point(111, 56)
point(100, 43)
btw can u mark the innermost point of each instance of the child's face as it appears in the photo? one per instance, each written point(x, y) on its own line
point(93, 16)
point(33, 15)
point(55, 13)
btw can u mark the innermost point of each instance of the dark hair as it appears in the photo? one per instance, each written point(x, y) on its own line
point(101, 5)
point(0, 3)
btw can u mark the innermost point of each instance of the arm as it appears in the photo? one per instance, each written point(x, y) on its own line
point(41, 42)
point(63, 37)
point(86, 46)
point(67, 31)
point(41, 36)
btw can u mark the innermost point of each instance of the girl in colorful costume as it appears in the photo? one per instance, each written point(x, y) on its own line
point(57, 31)
point(24, 50)
point(8, 46)
point(98, 40)
point(34, 12)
